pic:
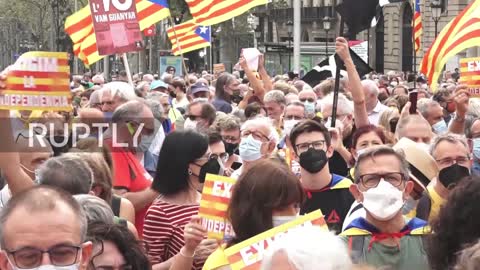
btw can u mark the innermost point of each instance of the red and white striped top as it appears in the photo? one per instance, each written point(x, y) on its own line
point(163, 230)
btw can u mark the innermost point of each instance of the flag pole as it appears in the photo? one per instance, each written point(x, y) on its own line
point(337, 81)
point(211, 52)
point(414, 51)
point(179, 49)
point(127, 68)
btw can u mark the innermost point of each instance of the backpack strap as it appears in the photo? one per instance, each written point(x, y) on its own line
point(355, 246)
point(424, 206)
point(116, 201)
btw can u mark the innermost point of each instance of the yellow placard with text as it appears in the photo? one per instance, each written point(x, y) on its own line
point(216, 194)
point(249, 253)
point(38, 81)
point(470, 75)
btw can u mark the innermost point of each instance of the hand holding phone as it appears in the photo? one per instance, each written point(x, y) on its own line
point(413, 101)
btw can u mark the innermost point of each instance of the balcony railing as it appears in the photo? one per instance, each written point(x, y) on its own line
point(309, 14)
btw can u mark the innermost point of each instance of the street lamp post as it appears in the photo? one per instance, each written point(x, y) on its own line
point(436, 7)
point(289, 32)
point(327, 24)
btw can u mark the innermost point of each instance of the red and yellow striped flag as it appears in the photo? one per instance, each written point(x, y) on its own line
point(417, 26)
point(79, 27)
point(461, 33)
point(210, 12)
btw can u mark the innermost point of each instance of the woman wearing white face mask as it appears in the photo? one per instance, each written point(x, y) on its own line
point(266, 196)
point(385, 238)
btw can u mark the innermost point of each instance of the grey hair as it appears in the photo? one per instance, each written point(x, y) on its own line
point(344, 106)
point(469, 258)
point(451, 138)
point(128, 111)
point(382, 150)
point(424, 105)
point(95, 97)
point(469, 121)
point(156, 95)
point(156, 108)
point(42, 199)
point(263, 121)
point(95, 209)
point(297, 104)
point(371, 86)
point(301, 248)
point(276, 96)
point(122, 90)
point(68, 172)
point(404, 121)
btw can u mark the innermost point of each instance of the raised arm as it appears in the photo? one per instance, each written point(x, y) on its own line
point(255, 84)
point(267, 81)
point(359, 105)
point(462, 97)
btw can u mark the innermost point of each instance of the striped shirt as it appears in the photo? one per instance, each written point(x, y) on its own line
point(163, 230)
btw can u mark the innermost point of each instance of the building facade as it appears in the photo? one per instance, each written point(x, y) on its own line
point(390, 43)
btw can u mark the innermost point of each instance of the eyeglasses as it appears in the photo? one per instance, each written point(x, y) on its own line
point(229, 139)
point(29, 257)
point(303, 147)
point(256, 135)
point(292, 117)
point(311, 100)
point(371, 180)
point(445, 162)
point(222, 156)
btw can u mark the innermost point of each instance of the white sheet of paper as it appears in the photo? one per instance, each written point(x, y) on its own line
point(251, 55)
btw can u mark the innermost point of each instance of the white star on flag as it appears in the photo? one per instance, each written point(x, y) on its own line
point(203, 30)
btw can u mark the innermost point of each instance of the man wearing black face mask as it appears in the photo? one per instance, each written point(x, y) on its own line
point(230, 132)
point(452, 155)
point(326, 191)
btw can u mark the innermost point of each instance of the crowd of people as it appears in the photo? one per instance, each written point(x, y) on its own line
point(397, 187)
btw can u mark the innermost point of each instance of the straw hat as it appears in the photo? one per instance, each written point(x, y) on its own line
point(423, 167)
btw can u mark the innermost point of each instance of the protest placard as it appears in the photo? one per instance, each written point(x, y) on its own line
point(216, 194)
point(218, 68)
point(470, 75)
point(116, 26)
point(38, 81)
point(249, 253)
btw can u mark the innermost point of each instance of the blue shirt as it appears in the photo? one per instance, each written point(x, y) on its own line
point(222, 106)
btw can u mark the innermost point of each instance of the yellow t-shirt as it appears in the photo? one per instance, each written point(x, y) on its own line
point(437, 202)
point(216, 259)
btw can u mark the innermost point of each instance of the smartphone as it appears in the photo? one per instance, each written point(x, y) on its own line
point(413, 101)
point(236, 165)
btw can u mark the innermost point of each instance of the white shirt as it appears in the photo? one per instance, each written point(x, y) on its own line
point(374, 116)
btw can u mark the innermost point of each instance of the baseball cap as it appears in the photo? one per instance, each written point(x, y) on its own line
point(199, 87)
point(157, 84)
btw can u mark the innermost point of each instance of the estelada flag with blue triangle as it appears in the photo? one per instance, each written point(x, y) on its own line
point(189, 36)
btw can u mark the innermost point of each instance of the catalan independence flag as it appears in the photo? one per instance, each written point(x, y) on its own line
point(461, 33)
point(417, 26)
point(210, 12)
point(79, 27)
point(188, 36)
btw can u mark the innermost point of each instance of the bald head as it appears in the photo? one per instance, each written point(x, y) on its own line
point(414, 127)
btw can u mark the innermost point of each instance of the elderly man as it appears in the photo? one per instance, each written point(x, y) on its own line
point(133, 120)
point(416, 128)
point(433, 113)
point(258, 140)
point(374, 106)
point(275, 105)
point(309, 99)
point(312, 146)
point(115, 94)
point(472, 132)
point(200, 90)
point(148, 78)
point(200, 116)
point(98, 80)
point(452, 154)
point(57, 242)
point(385, 238)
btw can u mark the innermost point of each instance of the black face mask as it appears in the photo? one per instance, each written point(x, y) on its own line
point(230, 148)
point(453, 174)
point(212, 166)
point(236, 98)
point(313, 160)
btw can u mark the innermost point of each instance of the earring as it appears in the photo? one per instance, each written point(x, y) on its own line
point(190, 171)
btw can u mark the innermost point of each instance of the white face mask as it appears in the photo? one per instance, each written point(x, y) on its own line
point(384, 201)
point(440, 127)
point(48, 267)
point(250, 148)
point(280, 220)
point(288, 126)
point(189, 124)
point(424, 146)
